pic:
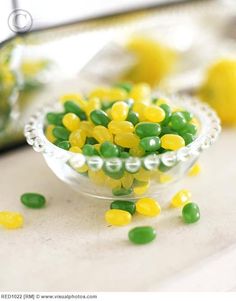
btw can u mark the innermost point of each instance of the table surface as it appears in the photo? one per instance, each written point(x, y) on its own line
point(67, 246)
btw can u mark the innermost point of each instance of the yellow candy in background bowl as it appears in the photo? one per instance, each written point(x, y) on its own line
point(154, 60)
point(219, 89)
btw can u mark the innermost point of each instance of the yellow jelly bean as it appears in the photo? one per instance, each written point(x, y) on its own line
point(77, 138)
point(195, 170)
point(108, 111)
point(97, 146)
point(119, 111)
point(11, 220)
point(137, 151)
point(48, 133)
point(181, 198)
point(154, 113)
point(117, 94)
point(101, 134)
point(118, 127)
point(100, 92)
point(93, 104)
point(127, 180)
point(87, 127)
point(128, 140)
point(77, 98)
point(82, 169)
point(71, 121)
point(172, 142)
point(97, 177)
point(75, 149)
point(112, 183)
point(139, 107)
point(140, 92)
point(117, 217)
point(143, 175)
point(148, 207)
point(141, 188)
point(161, 101)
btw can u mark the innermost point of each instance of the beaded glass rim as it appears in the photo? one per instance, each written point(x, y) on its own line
point(210, 129)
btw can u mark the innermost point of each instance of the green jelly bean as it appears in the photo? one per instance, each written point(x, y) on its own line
point(142, 235)
point(109, 150)
point(107, 105)
point(120, 148)
point(63, 144)
point(124, 205)
point(187, 115)
point(166, 130)
point(177, 121)
point(125, 86)
point(163, 168)
point(133, 117)
point(91, 140)
point(161, 150)
point(89, 150)
point(167, 110)
point(124, 155)
point(114, 174)
point(121, 191)
point(71, 107)
point(150, 144)
point(61, 133)
point(154, 100)
point(190, 213)
point(33, 200)
point(55, 118)
point(188, 138)
point(99, 117)
point(147, 129)
point(189, 129)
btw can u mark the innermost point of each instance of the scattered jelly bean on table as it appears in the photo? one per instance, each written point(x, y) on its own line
point(11, 220)
point(142, 235)
point(195, 170)
point(148, 207)
point(181, 198)
point(33, 200)
point(117, 217)
point(190, 213)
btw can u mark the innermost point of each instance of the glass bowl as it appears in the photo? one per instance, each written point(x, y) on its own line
point(156, 174)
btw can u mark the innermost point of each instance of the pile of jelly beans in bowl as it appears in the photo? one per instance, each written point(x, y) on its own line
point(122, 142)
